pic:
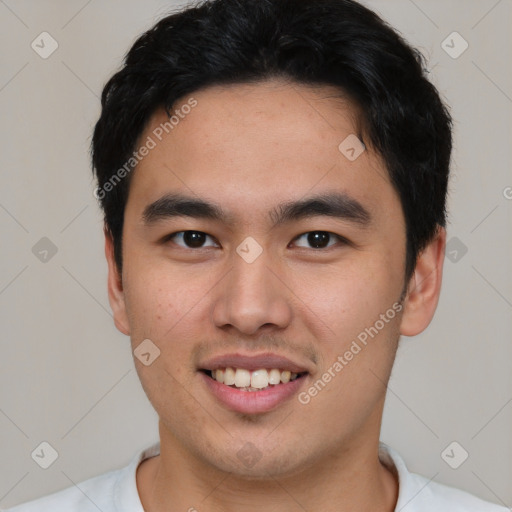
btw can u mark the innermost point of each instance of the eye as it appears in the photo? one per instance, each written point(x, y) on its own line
point(320, 239)
point(191, 239)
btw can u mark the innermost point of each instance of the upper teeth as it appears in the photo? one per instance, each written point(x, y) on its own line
point(257, 379)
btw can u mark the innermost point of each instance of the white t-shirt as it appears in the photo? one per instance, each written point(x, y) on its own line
point(116, 491)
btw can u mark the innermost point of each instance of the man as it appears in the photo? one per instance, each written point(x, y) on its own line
point(273, 176)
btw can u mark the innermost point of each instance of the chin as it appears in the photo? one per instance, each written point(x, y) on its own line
point(256, 461)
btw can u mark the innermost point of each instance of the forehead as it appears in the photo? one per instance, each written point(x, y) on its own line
point(277, 113)
point(253, 144)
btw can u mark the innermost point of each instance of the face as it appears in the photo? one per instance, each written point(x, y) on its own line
point(295, 266)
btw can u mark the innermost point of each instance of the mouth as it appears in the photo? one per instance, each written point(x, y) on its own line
point(252, 385)
point(246, 380)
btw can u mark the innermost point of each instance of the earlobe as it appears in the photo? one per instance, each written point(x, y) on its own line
point(115, 287)
point(424, 287)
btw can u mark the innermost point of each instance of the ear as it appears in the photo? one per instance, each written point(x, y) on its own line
point(424, 287)
point(115, 287)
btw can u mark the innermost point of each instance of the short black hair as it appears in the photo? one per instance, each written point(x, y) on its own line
point(315, 42)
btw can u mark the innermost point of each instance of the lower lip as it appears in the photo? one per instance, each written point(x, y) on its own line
point(253, 402)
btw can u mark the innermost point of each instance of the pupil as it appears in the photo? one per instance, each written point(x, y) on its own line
point(194, 238)
point(318, 239)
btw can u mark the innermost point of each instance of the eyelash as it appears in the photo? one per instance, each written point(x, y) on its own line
point(340, 239)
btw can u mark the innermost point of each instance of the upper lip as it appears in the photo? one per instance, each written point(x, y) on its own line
point(252, 362)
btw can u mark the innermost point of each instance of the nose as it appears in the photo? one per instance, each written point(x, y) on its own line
point(253, 296)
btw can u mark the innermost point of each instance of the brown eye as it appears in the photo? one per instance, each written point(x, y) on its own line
point(319, 239)
point(190, 239)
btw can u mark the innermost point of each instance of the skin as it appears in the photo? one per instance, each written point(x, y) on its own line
point(249, 148)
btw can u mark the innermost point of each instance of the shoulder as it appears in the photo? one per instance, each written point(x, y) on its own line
point(440, 498)
point(419, 494)
point(88, 496)
point(109, 492)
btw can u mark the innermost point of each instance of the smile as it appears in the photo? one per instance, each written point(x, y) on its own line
point(247, 380)
point(244, 396)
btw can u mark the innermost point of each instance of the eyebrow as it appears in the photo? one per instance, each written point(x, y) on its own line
point(335, 204)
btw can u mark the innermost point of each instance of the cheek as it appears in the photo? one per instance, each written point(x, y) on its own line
point(168, 306)
point(163, 307)
point(344, 298)
point(361, 311)
point(159, 297)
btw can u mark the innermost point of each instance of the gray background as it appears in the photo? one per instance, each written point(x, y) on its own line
point(67, 376)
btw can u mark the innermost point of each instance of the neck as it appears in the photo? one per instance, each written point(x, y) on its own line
point(351, 479)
